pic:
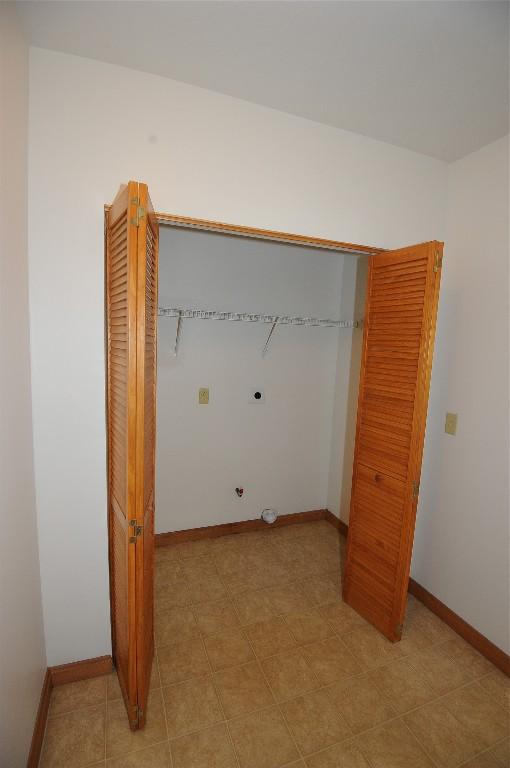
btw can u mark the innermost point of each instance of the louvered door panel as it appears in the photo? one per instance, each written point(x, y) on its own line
point(401, 307)
point(131, 301)
point(121, 259)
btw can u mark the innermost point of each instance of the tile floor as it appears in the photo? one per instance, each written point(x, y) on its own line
point(260, 665)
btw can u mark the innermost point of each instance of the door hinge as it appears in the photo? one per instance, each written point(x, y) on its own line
point(399, 629)
point(139, 713)
point(438, 261)
point(139, 213)
point(137, 531)
point(416, 489)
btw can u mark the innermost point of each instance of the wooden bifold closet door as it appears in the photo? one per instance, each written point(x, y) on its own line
point(398, 342)
point(131, 316)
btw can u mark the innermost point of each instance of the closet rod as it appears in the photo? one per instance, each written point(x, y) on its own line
point(246, 317)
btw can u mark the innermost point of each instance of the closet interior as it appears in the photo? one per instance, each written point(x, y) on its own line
point(272, 332)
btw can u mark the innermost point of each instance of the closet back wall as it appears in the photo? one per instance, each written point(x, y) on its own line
point(278, 450)
point(93, 126)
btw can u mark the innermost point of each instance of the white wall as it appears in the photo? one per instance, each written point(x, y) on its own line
point(22, 653)
point(278, 450)
point(93, 126)
point(462, 545)
point(348, 363)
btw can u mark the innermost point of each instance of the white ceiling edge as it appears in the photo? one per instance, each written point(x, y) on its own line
point(427, 76)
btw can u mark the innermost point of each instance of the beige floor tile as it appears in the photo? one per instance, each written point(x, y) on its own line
point(315, 722)
point(113, 686)
point(331, 661)
point(173, 625)
point(361, 703)
point(75, 739)
point(403, 685)
point(502, 752)
point(243, 690)
point(393, 746)
point(199, 548)
point(441, 671)
point(322, 590)
point(157, 756)
point(262, 740)
point(182, 661)
point(166, 554)
point(171, 593)
point(228, 649)
point(497, 685)
point(371, 648)
point(342, 618)
point(199, 566)
point(308, 626)
point(473, 662)
point(288, 599)
point(210, 748)
point(475, 710)
point(215, 616)
point(84, 693)
point(120, 739)
point(253, 607)
point(346, 755)
point(191, 706)
point(167, 570)
point(485, 760)
point(444, 738)
point(435, 630)
point(270, 637)
point(203, 587)
point(237, 584)
point(289, 675)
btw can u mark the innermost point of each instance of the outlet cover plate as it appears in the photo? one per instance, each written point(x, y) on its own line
point(450, 424)
point(203, 396)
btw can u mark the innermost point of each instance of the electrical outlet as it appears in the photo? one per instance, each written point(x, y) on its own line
point(450, 424)
point(203, 396)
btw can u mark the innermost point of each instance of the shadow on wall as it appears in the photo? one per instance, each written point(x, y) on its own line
point(352, 394)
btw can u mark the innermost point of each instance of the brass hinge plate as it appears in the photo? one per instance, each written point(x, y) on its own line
point(399, 628)
point(438, 261)
point(137, 531)
point(416, 489)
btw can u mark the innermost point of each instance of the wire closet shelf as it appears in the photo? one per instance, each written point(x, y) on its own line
point(246, 317)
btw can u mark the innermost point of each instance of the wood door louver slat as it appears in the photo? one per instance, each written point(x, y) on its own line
point(398, 342)
point(131, 307)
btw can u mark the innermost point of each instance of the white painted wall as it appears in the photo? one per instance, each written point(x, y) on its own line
point(93, 126)
point(462, 544)
point(277, 450)
point(22, 652)
point(348, 363)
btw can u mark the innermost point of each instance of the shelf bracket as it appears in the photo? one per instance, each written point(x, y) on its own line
point(266, 345)
point(178, 333)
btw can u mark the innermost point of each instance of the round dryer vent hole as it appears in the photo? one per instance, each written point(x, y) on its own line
point(269, 515)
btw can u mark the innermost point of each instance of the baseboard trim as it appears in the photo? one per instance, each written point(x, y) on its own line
point(40, 722)
point(479, 642)
point(471, 635)
point(336, 522)
point(60, 675)
point(243, 526)
point(80, 670)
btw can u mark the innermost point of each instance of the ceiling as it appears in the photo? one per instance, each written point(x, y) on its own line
point(429, 76)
